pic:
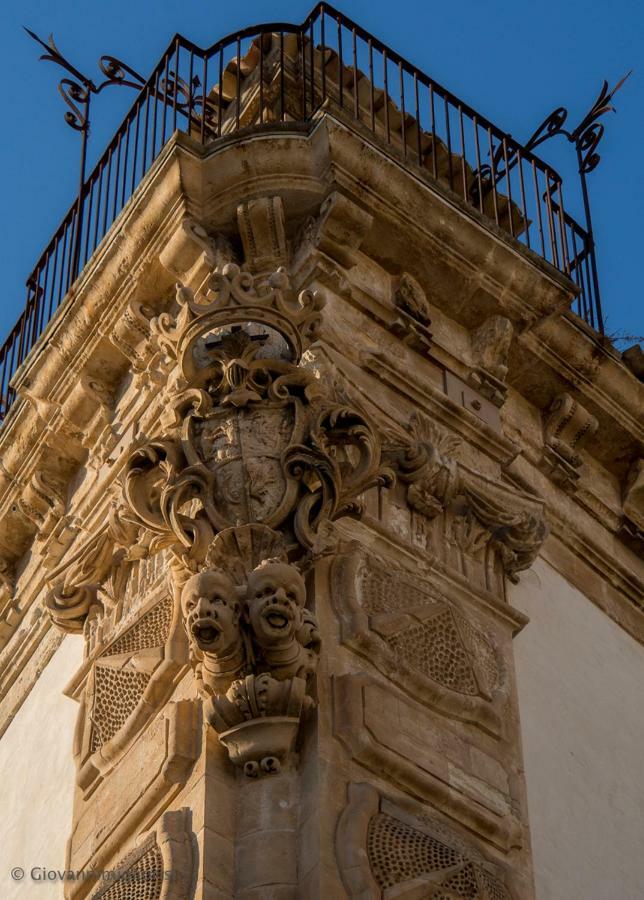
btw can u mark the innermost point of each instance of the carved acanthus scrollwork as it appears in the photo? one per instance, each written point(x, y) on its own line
point(483, 512)
point(76, 581)
point(251, 435)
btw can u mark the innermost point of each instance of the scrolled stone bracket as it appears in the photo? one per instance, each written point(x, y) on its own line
point(483, 511)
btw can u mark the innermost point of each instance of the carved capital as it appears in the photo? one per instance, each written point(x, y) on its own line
point(481, 512)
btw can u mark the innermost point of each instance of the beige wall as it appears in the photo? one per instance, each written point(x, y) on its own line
point(580, 679)
point(37, 780)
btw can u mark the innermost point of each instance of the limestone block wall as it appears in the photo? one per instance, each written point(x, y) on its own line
point(38, 780)
point(579, 678)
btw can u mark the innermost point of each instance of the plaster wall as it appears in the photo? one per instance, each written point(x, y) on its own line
point(579, 676)
point(37, 783)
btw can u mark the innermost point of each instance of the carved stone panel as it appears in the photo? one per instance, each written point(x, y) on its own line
point(160, 868)
point(128, 680)
point(389, 734)
point(385, 852)
point(418, 638)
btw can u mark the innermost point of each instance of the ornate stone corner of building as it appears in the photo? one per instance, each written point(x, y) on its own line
point(566, 428)
point(384, 851)
point(490, 348)
point(257, 452)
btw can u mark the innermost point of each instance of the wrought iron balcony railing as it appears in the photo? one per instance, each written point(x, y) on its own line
point(280, 73)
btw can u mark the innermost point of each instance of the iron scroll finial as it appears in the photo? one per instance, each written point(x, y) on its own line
point(76, 91)
point(588, 133)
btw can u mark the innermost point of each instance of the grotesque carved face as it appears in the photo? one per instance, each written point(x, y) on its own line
point(276, 597)
point(211, 612)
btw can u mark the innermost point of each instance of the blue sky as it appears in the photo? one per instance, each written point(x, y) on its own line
point(513, 61)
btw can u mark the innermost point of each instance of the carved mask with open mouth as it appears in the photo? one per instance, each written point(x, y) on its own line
point(211, 612)
point(275, 600)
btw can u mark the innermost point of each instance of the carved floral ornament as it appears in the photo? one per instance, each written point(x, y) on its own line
point(257, 452)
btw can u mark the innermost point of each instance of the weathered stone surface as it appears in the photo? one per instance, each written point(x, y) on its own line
point(298, 428)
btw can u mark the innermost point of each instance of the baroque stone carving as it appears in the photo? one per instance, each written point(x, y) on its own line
point(416, 637)
point(254, 644)
point(490, 348)
point(101, 557)
point(385, 852)
point(159, 868)
point(261, 228)
point(413, 322)
point(567, 427)
point(483, 512)
point(131, 676)
point(250, 435)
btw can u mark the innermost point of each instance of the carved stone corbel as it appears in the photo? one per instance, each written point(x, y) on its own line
point(191, 254)
point(413, 313)
point(9, 611)
point(567, 427)
point(131, 332)
point(261, 228)
point(42, 502)
point(338, 231)
point(88, 408)
point(481, 512)
point(490, 348)
point(254, 645)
